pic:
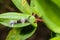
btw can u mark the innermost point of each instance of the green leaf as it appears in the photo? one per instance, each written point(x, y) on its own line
point(57, 2)
point(55, 38)
point(21, 34)
point(7, 17)
point(14, 34)
point(50, 13)
point(35, 7)
point(18, 25)
point(23, 6)
point(13, 16)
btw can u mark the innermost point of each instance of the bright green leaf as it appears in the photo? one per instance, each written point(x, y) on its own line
point(55, 38)
point(23, 6)
point(14, 34)
point(7, 23)
point(13, 16)
point(35, 7)
point(50, 13)
point(57, 2)
point(7, 17)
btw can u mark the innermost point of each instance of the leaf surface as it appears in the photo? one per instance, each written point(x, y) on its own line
point(50, 13)
point(21, 34)
point(23, 6)
point(7, 17)
point(55, 38)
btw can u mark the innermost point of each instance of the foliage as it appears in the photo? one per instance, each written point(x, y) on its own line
point(48, 10)
point(7, 17)
point(55, 38)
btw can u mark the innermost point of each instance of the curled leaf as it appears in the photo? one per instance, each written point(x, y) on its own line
point(6, 18)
